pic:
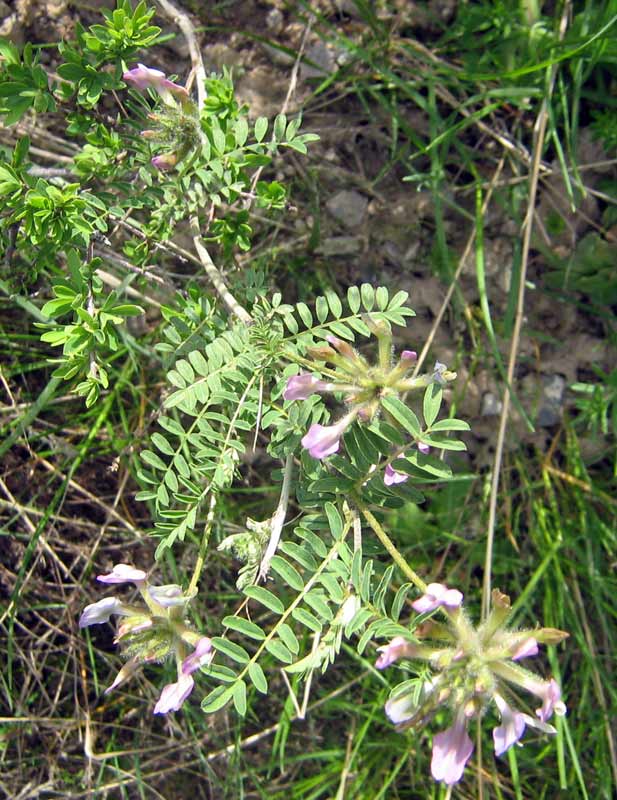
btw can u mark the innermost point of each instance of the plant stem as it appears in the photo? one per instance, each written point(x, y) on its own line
point(389, 544)
point(203, 548)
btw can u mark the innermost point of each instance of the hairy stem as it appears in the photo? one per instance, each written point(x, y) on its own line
point(389, 545)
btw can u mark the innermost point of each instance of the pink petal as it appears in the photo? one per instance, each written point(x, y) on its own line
point(323, 440)
point(511, 729)
point(528, 647)
point(393, 476)
point(123, 573)
point(551, 701)
point(201, 655)
point(397, 648)
point(174, 694)
point(451, 751)
point(101, 611)
point(144, 77)
point(301, 386)
point(437, 595)
point(165, 161)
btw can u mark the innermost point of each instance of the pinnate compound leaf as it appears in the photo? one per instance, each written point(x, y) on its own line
point(265, 597)
point(230, 649)
point(239, 696)
point(402, 414)
point(256, 674)
point(245, 627)
point(276, 648)
point(217, 699)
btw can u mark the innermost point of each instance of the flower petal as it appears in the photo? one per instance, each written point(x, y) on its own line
point(437, 595)
point(451, 751)
point(401, 708)
point(301, 386)
point(174, 694)
point(164, 161)
point(123, 573)
point(202, 654)
point(324, 440)
point(101, 611)
point(392, 476)
point(169, 595)
point(525, 648)
point(511, 729)
point(397, 648)
point(551, 701)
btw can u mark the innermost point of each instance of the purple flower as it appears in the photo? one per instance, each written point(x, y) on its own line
point(511, 729)
point(301, 386)
point(202, 654)
point(147, 78)
point(409, 356)
point(123, 573)
point(551, 701)
point(438, 373)
point(101, 611)
point(169, 595)
point(392, 476)
point(451, 751)
point(323, 440)
point(165, 161)
point(400, 709)
point(397, 648)
point(437, 595)
point(528, 647)
point(423, 448)
point(174, 694)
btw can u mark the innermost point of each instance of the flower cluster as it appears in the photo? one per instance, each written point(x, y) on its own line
point(362, 385)
point(472, 668)
point(152, 632)
point(178, 124)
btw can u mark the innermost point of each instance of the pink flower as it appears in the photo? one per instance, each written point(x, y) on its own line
point(551, 701)
point(437, 595)
point(165, 161)
point(323, 440)
point(123, 573)
point(409, 356)
point(147, 78)
point(451, 751)
point(397, 648)
point(511, 729)
point(169, 595)
point(301, 386)
point(400, 709)
point(202, 654)
point(513, 725)
point(528, 647)
point(392, 476)
point(101, 611)
point(174, 694)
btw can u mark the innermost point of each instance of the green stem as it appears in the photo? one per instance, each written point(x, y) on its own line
point(203, 548)
point(389, 545)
